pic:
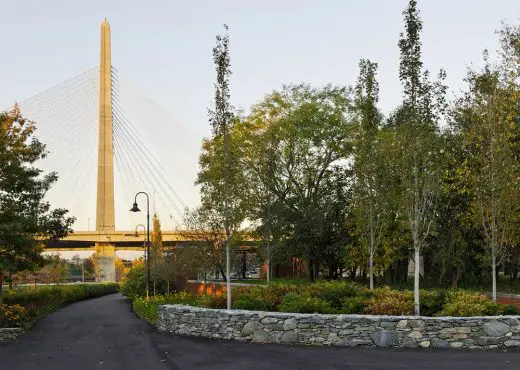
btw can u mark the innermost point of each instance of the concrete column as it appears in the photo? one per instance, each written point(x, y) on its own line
point(105, 218)
point(105, 255)
point(105, 214)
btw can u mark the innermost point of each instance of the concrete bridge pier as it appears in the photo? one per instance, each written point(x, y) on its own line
point(106, 258)
point(105, 219)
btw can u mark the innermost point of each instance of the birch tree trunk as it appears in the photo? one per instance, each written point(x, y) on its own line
point(371, 259)
point(228, 268)
point(417, 258)
point(494, 274)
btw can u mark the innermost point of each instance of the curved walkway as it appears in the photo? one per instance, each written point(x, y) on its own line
point(104, 334)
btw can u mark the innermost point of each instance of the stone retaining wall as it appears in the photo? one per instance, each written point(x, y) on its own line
point(342, 330)
point(9, 333)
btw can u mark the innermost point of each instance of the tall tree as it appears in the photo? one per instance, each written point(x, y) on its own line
point(120, 268)
point(27, 221)
point(157, 252)
point(54, 271)
point(259, 152)
point(204, 226)
point(455, 246)
point(370, 185)
point(417, 138)
point(218, 162)
point(486, 117)
point(92, 267)
point(302, 138)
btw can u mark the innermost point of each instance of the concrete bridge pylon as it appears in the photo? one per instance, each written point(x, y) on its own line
point(105, 210)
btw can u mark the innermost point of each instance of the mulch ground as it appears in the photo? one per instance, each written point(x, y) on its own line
point(506, 299)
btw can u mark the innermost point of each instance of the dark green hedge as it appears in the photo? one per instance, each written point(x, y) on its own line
point(39, 301)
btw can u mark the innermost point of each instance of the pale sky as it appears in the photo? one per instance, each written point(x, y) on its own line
point(164, 48)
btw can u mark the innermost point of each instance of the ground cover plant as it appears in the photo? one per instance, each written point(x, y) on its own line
point(335, 297)
point(23, 306)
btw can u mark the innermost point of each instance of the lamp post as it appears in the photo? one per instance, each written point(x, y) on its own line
point(137, 235)
point(135, 208)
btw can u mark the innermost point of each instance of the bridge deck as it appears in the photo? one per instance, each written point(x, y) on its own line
point(128, 240)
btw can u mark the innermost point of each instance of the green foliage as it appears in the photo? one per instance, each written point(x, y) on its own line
point(372, 182)
point(510, 310)
point(134, 283)
point(248, 302)
point(41, 300)
point(466, 303)
point(216, 301)
point(305, 303)
point(335, 292)
point(27, 221)
point(485, 119)
point(390, 302)
point(324, 177)
point(431, 301)
point(204, 226)
point(418, 158)
point(55, 270)
point(220, 177)
point(354, 305)
point(147, 309)
point(11, 315)
point(58, 294)
point(333, 297)
point(295, 144)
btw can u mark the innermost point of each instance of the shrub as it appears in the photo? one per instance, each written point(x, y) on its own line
point(353, 305)
point(247, 302)
point(58, 294)
point(431, 301)
point(148, 309)
point(304, 303)
point(42, 300)
point(274, 294)
point(390, 302)
point(326, 297)
point(291, 281)
point(257, 298)
point(179, 298)
point(466, 303)
point(134, 283)
point(216, 301)
point(335, 292)
point(511, 310)
point(11, 316)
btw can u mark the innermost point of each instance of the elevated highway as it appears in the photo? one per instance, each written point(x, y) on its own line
point(130, 241)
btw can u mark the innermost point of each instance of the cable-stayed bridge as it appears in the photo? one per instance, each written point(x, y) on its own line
point(66, 117)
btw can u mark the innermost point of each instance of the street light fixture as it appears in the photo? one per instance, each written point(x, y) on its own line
point(135, 208)
point(136, 234)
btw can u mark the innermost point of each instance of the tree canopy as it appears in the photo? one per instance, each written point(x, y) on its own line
point(27, 220)
point(321, 175)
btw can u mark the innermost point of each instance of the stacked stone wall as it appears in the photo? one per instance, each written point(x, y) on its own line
point(9, 333)
point(342, 330)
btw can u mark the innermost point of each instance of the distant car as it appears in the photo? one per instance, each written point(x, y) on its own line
point(253, 274)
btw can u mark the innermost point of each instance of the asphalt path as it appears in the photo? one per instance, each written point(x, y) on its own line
point(103, 333)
